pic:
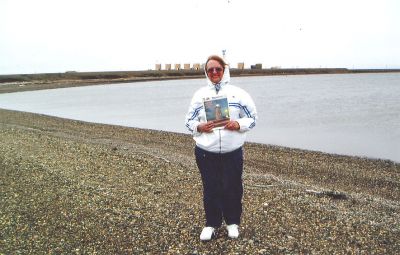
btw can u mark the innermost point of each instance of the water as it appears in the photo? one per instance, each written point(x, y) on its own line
point(351, 114)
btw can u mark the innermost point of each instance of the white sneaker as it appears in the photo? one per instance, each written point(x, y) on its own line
point(233, 230)
point(207, 234)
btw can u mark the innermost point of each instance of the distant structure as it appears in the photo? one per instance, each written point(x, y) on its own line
point(195, 66)
point(224, 57)
point(256, 66)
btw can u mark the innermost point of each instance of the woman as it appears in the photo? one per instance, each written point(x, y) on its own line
point(218, 151)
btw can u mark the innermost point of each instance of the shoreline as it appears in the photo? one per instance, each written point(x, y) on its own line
point(76, 187)
point(28, 82)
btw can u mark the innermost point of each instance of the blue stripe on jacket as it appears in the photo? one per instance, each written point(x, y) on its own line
point(246, 111)
point(196, 113)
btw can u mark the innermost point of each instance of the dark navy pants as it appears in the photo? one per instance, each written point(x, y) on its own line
point(221, 174)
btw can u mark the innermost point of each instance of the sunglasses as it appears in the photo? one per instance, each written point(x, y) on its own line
point(214, 69)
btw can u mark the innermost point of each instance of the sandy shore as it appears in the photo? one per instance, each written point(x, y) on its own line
point(10, 87)
point(69, 187)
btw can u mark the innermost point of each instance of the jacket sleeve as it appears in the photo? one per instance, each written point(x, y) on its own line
point(248, 113)
point(192, 119)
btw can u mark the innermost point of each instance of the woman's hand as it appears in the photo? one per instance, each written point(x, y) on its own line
point(205, 127)
point(232, 125)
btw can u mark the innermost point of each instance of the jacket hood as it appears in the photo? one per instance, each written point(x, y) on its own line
point(226, 78)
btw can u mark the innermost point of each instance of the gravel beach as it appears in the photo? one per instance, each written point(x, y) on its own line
point(70, 187)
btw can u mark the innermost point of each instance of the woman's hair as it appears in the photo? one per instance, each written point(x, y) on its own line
point(216, 58)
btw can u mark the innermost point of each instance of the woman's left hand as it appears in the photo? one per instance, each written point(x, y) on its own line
point(232, 125)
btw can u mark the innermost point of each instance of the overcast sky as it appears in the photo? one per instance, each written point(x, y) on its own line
point(94, 35)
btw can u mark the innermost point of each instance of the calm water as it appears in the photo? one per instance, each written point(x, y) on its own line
point(352, 114)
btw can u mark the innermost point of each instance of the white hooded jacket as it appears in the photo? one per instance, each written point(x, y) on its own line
point(241, 109)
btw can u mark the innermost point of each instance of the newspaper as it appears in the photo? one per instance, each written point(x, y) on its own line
point(217, 110)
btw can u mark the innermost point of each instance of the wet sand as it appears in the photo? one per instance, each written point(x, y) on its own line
point(71, 187)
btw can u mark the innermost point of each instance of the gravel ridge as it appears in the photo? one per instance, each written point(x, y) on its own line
point(72, 187)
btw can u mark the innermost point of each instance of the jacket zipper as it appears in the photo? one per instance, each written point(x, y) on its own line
point(220, 141)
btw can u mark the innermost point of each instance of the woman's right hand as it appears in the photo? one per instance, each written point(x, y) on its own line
point(205, 127)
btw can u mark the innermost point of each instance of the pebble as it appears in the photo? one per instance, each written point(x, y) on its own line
point(66, 187)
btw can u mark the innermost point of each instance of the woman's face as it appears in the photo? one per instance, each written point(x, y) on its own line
point(214, 71)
